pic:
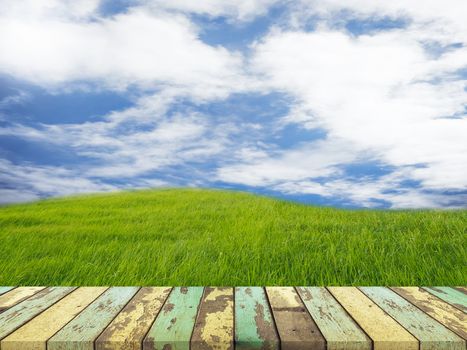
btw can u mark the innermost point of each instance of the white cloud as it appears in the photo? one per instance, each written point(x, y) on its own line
point(240, 10)
point(137, 48)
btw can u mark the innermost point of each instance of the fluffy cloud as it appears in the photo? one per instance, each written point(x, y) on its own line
point(136, 48)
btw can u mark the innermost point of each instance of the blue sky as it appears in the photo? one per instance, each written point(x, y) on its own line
point(353, 104)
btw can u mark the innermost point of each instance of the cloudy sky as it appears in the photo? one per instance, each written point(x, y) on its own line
point(356, 103)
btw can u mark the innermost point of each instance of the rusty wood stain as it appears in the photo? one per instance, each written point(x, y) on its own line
point(81, 332)
point(448, 315)
point(296, 328)
point(254, 325)
point(127, 330)
point(17, 295)
point(214, 324)
point(452, 296)
point(432, 334)
point(174, 324)
point(21, 313)
point(338, 328)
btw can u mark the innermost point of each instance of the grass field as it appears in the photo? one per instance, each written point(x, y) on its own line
point(201, 237)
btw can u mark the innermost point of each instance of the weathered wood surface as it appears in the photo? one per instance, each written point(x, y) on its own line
point(17, 295)
point(214, 326)
point(254, 324)
point(296, 328)
point(338, 328)
point(3, 290)
point(446, 314)
point(452, 296)
point(81, 332)
point(225, 318)
point(174, 324)
point(386, 333)
point(34, 334)
point(21, 313)
point(430, 333)
point(128, 329)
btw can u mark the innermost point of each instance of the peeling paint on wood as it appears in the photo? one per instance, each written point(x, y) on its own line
point(254, 325)
point(450, 295)
point(34, 334)
point(432, 335)
point(448, 315)
point(21, 313)
point(127, 330)
point(338, 328)
point(174, 325)
point(3, 290)
point(385, 333)
point(81, 332)
point(214, 325)
point(17, 295)
point(296, 328)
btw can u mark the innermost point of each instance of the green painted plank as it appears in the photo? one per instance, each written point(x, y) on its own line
point(254, 325)
point(339, 330)
point(175, 323)
point(81, 332)
point(19, 314)
point(3, 290)
point(450, 295)
point(432, 334)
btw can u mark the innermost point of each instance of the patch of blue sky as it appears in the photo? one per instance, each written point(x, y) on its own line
point(220, 31)
point(366, 169)
point(114, 7)
point(370, 25)
point(41, 106)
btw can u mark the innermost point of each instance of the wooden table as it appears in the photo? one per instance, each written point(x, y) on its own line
point(166, 318)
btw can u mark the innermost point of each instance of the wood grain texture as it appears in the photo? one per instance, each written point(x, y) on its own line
point(128, 329)
point(174, 325)
point(386, 333)
point(335, 324)
point(19, 314)
point(461, 289)
point(214, 326)
point(34, 334)
point(17, 295)
point(81, 332)
point(3, 290)
point(430, 333)
point(450, 295)
point(296, 328)
point(254, 324)
point(448, 315)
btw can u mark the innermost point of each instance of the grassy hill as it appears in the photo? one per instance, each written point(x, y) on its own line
point(204, 237)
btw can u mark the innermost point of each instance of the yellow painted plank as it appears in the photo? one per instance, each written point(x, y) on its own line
point(214, 326)
point(448, 315)
point(17, 295)
point(34, 334)
point(386, 333)
point(127, 330)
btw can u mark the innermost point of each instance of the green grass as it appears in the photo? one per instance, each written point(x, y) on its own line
point(201, 237)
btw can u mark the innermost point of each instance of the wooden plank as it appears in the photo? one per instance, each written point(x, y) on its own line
point(128, 329)
point(17, 295)
point(385, 333)
point(19, 314)
point(296, 328)
point(34, 334)
point(450, 295)
point(3, 290)
point(461, 289)
point(432, 335)
point(335, 324)
point(174, 324)
point(214, 326)
point(254, 325)
point(81, 332)
point(448, 315)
